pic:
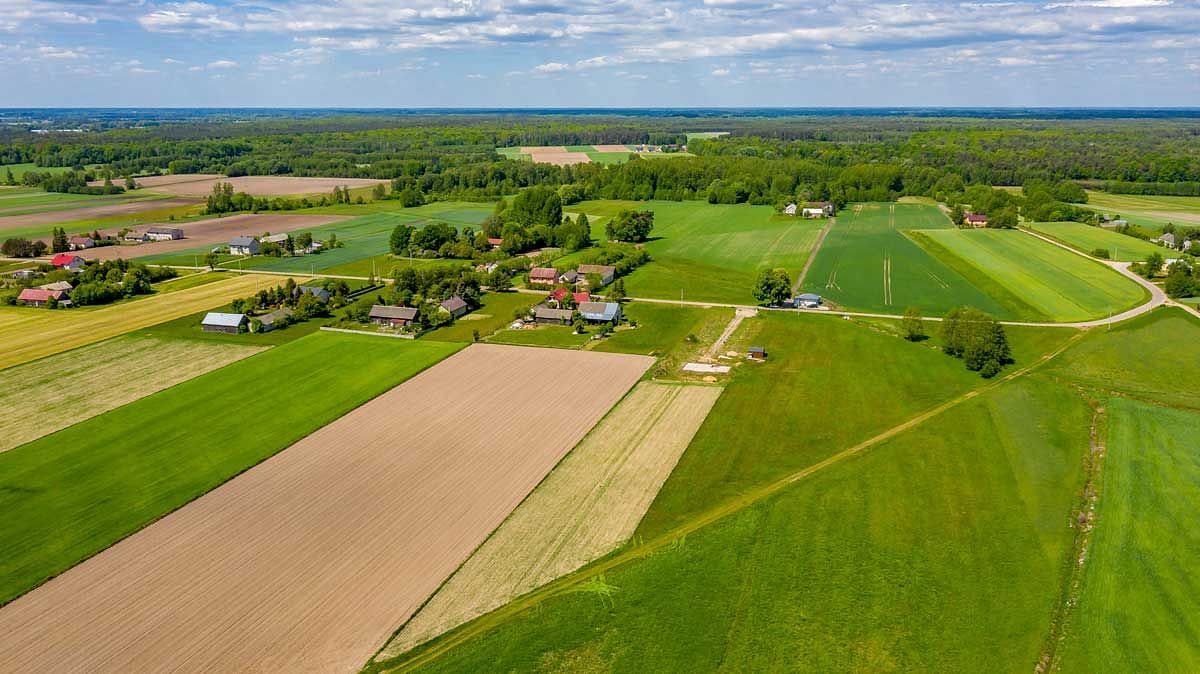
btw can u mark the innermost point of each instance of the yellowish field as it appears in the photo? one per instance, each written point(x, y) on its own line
point(587, 507)
point(53, 393)
point(33, 333)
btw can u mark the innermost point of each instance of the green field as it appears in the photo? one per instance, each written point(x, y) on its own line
point(867, 263)
point(559, 336)
point(710, 252)
point(941, 549)
point(1051, 283)
point(663, 330)
point(495, 312)
point(19, 170)
point(27, 200)
point(73, 493)
point(1147, 210)
point(1087, 238)
point(1139, 608)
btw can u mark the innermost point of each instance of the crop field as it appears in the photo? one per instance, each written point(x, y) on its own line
point(55, 392)
point(495, 312)
point(1056, 284)
point(33, 333)
point(710, 252)
point(38, 224)
point(1139, 610)
point(557, 336)
point(588, 506)
point(1087, 238)
point(868, 263)
point(941, 549)
point(74, 493)
point(201, 185)
point(310, 561)
point(25, 200)
point(1150, 211)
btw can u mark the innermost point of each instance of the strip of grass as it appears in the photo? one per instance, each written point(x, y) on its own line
point(664, 330)
point(1139, 607)
point(561, 336)
point(71, 494)
point(941, 550)
point(1087, 238)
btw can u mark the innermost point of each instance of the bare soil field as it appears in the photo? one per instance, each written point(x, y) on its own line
point(308, 561)
point(91, 212)
point(611, 148)
point(560, 158)
point(200, 185)
point(210, 233)
point(52, 393)
point(28, 333)
point(586, 508)
point(543, 148)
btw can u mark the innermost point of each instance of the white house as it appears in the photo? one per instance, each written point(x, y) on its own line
point(790, 209)
point(243, 245)
point(1167, 240)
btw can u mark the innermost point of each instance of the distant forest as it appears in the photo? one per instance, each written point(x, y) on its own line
point(764, 159)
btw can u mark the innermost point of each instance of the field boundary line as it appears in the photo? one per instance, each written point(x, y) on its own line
point(812, 254)
point(647, 548)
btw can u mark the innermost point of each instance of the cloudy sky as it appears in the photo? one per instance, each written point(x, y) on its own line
point(608, 53)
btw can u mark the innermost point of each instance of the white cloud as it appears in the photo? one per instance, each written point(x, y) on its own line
point(551, 68)
point(223, 64)
point(720, 72)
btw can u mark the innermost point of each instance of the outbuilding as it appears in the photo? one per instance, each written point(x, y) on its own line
point(543, 275)
point(81, 242)
point(244, 245)
point(455, 306)
point(271, 321)
point(316, 291)
point(62, 286)
point(790, 209)
point(606, 272)
point(1167, 240)
point(545, 314)
point(975, 219)
point(808, 301)
point(756, 353)
point(164, 234)
point(392, 317)
point(215, 321)
point(600, 312)
point(37, 297)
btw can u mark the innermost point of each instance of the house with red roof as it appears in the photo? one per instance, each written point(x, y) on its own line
point(38, 297)
point(495, 242)
point(67, 261)
point(560, 294)
point(975, 219)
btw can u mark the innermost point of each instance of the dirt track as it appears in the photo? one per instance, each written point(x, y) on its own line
point(210, 233)
point(310, 560)
point(200, 185)
point(92, 212)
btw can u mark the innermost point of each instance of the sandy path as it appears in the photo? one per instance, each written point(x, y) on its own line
point(587, 507)
point(211, 233)
point(310, 560)
point(90, 213)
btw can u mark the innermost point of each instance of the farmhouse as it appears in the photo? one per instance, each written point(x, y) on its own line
point(605, 272)
point(392, 317)
point(807, 301)
point(270, 321)
point(244, 245)
point(164, 234)
point(316, 291)
point(81, 242)
point(817, 209)
point(544, 314)
point(600, 312)
point(543, 275)
point(756, 353)
point(63, 286)
point(67, 261)
point(1167, 240)
point(455, 306)
point(215, 321)
point(975, 219)
point(37, 297)
point(790, 209)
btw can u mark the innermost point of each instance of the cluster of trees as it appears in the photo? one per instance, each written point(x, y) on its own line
point(773, 286)
point(437, 239)
point(424, 289)
point(303, 305)
point(19, 246)
point(1039, 201)
point(112, 280)
point(1183, 279)
point(534, 219)
point(630, 226)
point(224, 200)
point(978, 339)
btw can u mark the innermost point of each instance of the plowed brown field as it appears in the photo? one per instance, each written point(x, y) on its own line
point(201, 185)
point(560, 158)
point(309, 561)
point(211, 233)
point(91, 212)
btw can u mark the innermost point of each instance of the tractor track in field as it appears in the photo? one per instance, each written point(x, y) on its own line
point(653, 545)
point(812, 255)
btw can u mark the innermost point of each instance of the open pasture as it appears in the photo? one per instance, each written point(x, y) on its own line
point(952, 533)
point(201, 236)
point(1150, 211)
point(18, 201)
point(710, 252)
point(1055, 284)
point(28, 333)
point(1086, 238)
point(309, 561)
point(588, 506)
point(1138, 609)
point(868, 263)
point(55, 392)
point(201, 185)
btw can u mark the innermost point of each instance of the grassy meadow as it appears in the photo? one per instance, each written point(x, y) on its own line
point(71, 494)
point(1086, 238)
point(708, 252)
point(867, 263)
point(1044, 281)
point(1150, 211)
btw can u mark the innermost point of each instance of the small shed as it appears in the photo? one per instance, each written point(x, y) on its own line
point(600, 312)
point(756, 353)
point(215, 321)
point(392, 317)
point(456, 306)
point(271, 321)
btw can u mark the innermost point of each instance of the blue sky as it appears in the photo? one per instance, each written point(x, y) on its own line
point(610, 53)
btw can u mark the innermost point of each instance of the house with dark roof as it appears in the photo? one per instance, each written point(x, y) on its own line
point(316, 291)
point(569, 277)
point(975, 219)
point(600, 312)
point(807, 301)
point(244, 245)
point(67, 261)
point(455, 306)
point(38, 297)
point(134, 236)
point(392, 317)
point(216, 321)
point(1167, 240)
point(64, 286)
point(548, 315)
point(756, 353)
point(543, 275)
point(275, 318)
point(606, 272)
